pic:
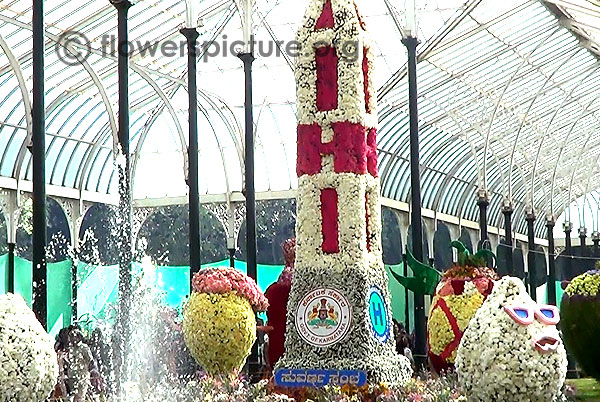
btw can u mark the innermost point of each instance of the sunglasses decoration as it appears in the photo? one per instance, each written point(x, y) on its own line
point(526, 314)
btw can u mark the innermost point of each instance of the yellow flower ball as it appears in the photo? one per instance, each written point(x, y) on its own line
point(219, 330)
point(587, 284)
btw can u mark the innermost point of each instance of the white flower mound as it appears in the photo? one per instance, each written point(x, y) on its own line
point(497, 359)
point(28, 363)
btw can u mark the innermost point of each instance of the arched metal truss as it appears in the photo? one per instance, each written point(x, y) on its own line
point(82, 135)
point(508, 101)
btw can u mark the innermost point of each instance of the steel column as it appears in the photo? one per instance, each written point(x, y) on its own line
point(40, 291)
point(596, 242)
point(232, 257)
point(249, 190)
point(415, 181)
point(191, 36)
point(406, 296)
point(582, 242)
point(551, 286)
point(74, 291)
point(11, 268)
point(531, 254)
point(507, 211)
point(483, 203)
point(568, 228)
point(125, 201)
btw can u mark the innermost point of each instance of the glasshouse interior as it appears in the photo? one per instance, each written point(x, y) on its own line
point(299, 200)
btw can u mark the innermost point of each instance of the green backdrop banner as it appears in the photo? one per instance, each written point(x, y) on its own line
point(59, 295)
point(23, 279)
point(98, 288)
point(3, 273)
point(59, 285)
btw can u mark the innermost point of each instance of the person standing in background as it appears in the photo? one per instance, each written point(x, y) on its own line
point(278, 294)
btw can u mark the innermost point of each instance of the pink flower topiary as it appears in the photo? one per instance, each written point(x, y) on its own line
point(226, 280)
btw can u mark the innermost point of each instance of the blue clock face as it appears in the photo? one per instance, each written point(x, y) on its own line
point(380, 324)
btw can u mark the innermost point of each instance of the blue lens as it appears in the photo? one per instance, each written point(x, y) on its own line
point(522, 313)
point(548, 313)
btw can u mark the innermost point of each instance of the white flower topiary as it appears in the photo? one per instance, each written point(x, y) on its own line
point(498, 360)
point(28, 362)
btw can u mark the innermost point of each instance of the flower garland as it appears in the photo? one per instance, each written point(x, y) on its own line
point(580, 311)
point(498, 360)
point(28, 362)
point(226, 280)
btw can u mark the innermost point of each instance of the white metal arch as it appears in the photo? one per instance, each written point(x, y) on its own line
point(524, 118)
point(566, 99)
point(560, 152)
point(498, 102)
point(16, 67)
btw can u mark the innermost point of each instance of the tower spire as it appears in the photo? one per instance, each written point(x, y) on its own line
point(338, 257)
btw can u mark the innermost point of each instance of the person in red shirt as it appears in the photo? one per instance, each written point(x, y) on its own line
point(278, 294)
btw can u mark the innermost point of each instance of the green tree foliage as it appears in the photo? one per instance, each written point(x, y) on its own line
point(57, 227)
point(3, 235)
point(164, 236)
point(98, 236)
point(275, 223)
point(391, 238)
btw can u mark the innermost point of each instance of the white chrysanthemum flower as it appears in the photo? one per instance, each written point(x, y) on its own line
point(28, 362)
point(498, 358)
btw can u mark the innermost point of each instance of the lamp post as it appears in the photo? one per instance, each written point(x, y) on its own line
point(191, 35)
point(411, 42)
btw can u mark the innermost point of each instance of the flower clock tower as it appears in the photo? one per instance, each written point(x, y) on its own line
point(339, 318)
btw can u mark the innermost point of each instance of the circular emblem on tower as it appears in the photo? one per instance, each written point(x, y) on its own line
point(323, 317)
point(380, 323)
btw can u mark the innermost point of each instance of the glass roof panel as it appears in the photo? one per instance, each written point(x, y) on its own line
point(507, 88)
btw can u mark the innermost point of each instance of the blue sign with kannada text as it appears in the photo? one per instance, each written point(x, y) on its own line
point(292, 378)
